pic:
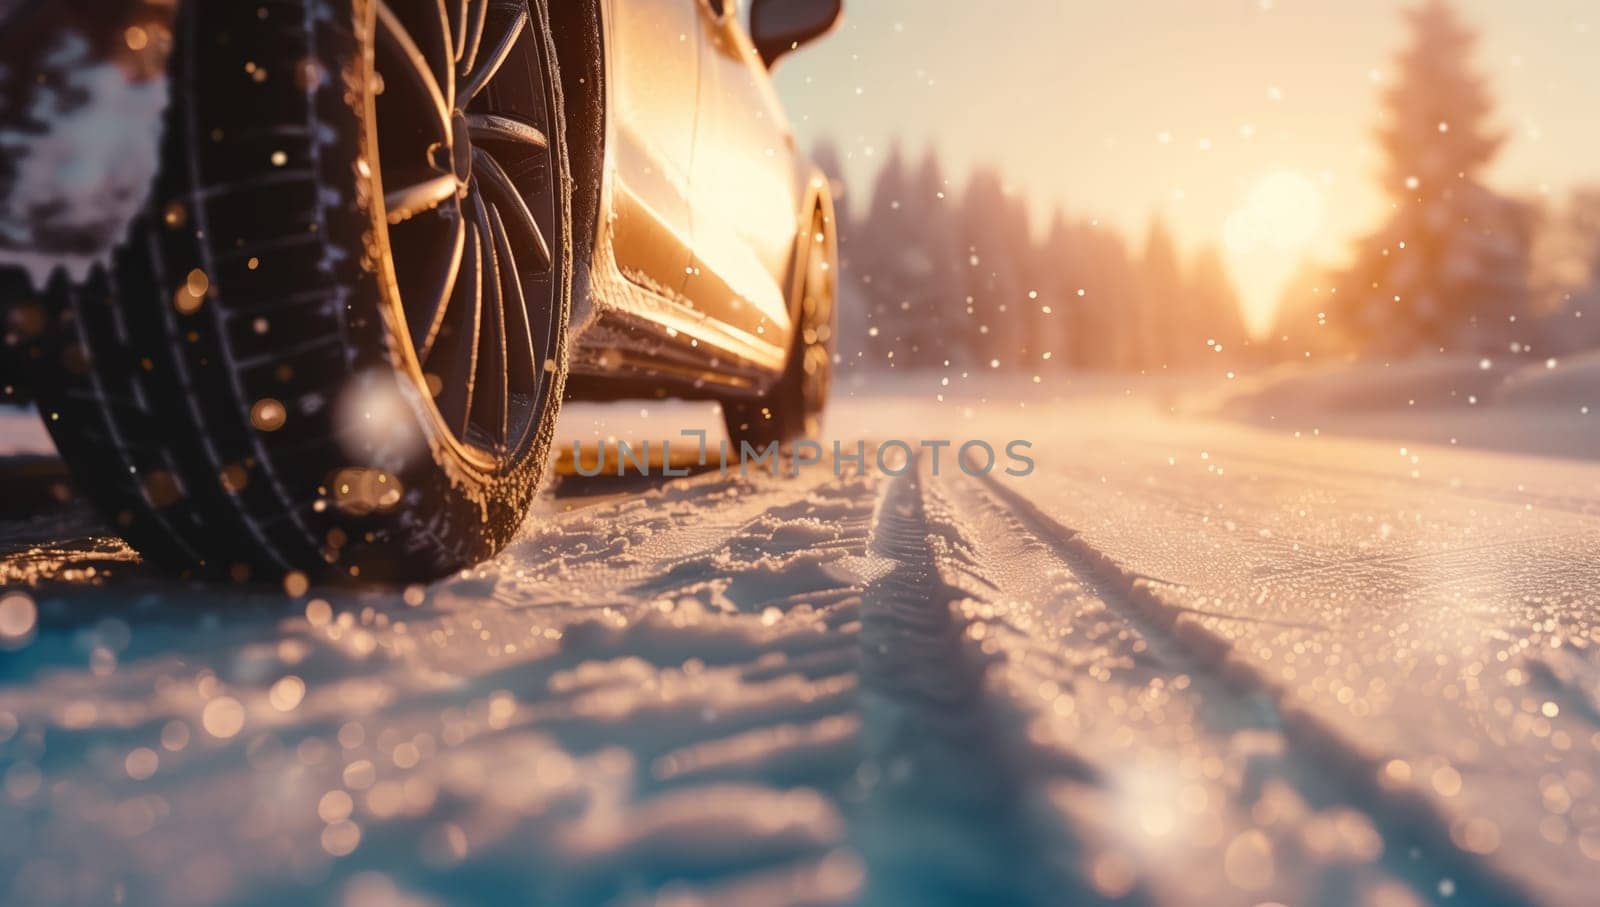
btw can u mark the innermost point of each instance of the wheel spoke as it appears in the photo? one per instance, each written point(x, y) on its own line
point(492, 391)
point(393, 33)
point(484, 70)
point(426, 319)
point(495, 179)
point(472, 35)
point(447, 35)
point(459, 372)
point(522, 359)
point(487, 127)
point(459, 35)
point(466, 241)
point(408, 201)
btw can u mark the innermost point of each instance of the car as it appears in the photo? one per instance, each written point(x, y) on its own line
point(386, 239)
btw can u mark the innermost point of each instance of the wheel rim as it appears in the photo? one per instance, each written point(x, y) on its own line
point(462, 127)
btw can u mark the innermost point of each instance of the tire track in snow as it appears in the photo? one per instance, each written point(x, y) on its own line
point(917, 755)
point(724, 664)
point(1417, 844)
point(947, 818)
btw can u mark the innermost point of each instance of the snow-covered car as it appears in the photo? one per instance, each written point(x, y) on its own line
point(319, 315)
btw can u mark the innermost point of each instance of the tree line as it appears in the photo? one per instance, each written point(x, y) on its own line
point(939, 274)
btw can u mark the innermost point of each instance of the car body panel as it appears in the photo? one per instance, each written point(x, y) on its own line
point(729, 220)
point(655, 86)
point(744, 192)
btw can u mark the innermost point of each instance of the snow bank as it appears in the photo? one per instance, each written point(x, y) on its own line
point(1533, 406)
point(1567, 384)
point(1362, 386)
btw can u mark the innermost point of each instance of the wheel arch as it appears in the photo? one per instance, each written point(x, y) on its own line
point(580, 35)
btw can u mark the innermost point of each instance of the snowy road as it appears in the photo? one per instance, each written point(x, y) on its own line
point(1182, 663)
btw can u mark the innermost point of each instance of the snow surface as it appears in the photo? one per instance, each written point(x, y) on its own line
point(1185, 662)
point(81, 179)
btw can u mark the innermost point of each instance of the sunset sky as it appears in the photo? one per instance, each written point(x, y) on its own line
point(1232, 118)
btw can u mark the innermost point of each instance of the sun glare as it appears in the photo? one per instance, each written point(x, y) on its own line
point(1283, 213)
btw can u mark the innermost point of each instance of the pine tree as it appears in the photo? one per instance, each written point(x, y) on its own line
point(1162, 306)
point(998, 243)
point(1057, 317)
point(1449, 268)
point(938, 317)
point(1103, 269)
point(880, 272)
point(1568, 276)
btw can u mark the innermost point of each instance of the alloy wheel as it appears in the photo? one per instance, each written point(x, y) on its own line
point(463, 114)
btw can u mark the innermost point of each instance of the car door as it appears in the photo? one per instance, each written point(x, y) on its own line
point(745, 189)
point(655, 68)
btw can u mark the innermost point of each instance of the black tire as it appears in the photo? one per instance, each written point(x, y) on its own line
point(245, 393)
point(792, 409)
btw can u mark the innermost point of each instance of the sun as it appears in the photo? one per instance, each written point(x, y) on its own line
point(1283, 212)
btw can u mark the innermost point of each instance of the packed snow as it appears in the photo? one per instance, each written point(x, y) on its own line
point(1185, 661)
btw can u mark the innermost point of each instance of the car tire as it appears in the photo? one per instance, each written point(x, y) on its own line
point(269, 380)
point(792, 410)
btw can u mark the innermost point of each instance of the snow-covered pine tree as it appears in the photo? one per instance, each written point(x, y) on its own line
point(1449, 268)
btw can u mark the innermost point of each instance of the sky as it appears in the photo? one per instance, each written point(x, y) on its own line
point(1236, 121)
